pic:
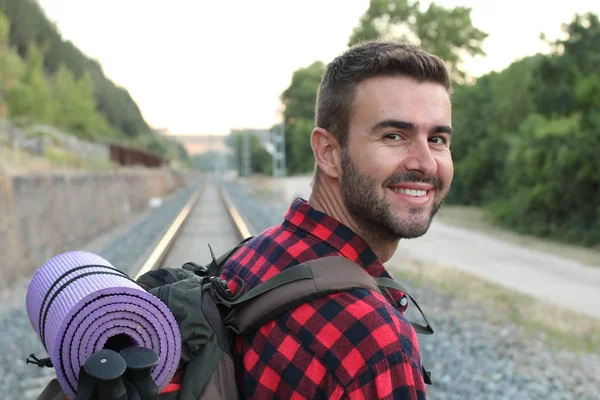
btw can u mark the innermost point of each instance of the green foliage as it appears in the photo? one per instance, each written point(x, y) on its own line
point(299, 156)
point(39, 106)
point(58, 100)
point(11, 65)
point(486, 117)
point(260, 159)
point(44, 80)
point(553, 175)
point(447, 32)
point(300, 99)
point(205, 162)
point(61, 157)
point(30, 27)
point(528, 140)
point(75, 106)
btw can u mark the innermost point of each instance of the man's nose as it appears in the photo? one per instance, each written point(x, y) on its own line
point(420, 158)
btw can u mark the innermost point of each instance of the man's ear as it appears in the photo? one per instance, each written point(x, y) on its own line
point(326, 150)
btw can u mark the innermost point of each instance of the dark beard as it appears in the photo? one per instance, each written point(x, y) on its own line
point(374, 214)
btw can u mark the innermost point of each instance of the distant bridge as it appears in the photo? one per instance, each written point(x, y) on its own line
point(196, 144)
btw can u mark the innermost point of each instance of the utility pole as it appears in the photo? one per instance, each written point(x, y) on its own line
point(278, 139)
point(277, 151)
point(282, 152)
point(246, 153)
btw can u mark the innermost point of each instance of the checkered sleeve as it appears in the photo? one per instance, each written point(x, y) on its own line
point(350, 345)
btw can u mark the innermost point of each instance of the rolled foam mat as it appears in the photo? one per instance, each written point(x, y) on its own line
point(78, 303)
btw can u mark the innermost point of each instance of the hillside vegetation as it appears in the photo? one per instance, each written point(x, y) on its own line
point(46, 80)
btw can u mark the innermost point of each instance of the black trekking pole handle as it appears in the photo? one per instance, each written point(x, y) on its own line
point(100, 377)
point(140, 362)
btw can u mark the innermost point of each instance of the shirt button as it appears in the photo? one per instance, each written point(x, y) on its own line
point(404, 301)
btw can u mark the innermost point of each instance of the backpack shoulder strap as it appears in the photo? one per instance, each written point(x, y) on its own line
point(299, 284)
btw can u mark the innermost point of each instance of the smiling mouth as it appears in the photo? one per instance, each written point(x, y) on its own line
point(410, 192)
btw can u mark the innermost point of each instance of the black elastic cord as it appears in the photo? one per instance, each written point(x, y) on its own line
point(40, 362)
point(44, 314)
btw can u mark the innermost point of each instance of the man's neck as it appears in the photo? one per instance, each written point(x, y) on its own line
point(328, 200)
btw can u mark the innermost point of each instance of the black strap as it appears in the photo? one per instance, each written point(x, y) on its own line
point(48, 300)
point(392, 284)
point(296, 273)
point(301, 272)
point(252, 310)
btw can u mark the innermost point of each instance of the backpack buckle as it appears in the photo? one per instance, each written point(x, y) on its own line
point(220, 288)
point(222, 293)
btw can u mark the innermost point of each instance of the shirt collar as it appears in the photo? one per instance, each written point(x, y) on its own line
point(330, 230)
point(303, 216)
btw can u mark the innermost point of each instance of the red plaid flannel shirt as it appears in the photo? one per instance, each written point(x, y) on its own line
point(349, 345)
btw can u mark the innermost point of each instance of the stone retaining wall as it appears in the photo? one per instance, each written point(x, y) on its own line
point(44, 215)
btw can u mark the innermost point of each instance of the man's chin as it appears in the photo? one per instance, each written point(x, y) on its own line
point(412, 229)
point(412, 234)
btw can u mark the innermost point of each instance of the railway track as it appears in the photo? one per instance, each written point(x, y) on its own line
point(208, 217)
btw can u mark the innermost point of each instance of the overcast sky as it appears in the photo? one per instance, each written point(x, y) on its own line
point(205, 67)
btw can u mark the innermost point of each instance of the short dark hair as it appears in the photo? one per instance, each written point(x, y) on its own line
point(367, 60)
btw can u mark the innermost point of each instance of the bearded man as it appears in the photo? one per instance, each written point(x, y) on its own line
point(383, 169)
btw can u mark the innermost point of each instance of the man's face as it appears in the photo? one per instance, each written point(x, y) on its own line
point(397, 167)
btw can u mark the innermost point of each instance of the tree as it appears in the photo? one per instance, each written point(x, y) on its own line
point(299, 115)
point(446, 32)
point(553, 170)
point(32, 98)
point(573, 59)
point(75, 103)
point(30, 28)
point(205, 161)
point(486, 118)
point(11, 65)
point(260, 159)
point(528, 140)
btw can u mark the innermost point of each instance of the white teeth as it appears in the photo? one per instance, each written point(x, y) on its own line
point(410, 192)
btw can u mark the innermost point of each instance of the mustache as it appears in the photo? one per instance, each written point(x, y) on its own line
point(414, 177)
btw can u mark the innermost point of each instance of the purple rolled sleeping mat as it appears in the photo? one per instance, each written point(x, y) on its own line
point(78, 303)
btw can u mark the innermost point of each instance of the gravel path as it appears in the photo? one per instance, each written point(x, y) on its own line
point(125, 250)
point(472, 355)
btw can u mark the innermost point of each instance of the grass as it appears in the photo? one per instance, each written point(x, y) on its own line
point(13, 160)
point(62, 157)
point(54, 159)
point(560, 329)
point(477, 219)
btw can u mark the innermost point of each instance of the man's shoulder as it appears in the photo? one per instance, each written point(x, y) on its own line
point(352, 332)
point(357, 313)
point(272, 251)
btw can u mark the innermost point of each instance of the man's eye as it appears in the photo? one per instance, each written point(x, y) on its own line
point(393, 136)
point(438, 139)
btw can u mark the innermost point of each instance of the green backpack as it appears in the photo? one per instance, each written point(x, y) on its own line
point(209, 317)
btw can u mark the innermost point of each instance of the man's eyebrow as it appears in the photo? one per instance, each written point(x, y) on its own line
point(399, 124)
point(443, 129)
